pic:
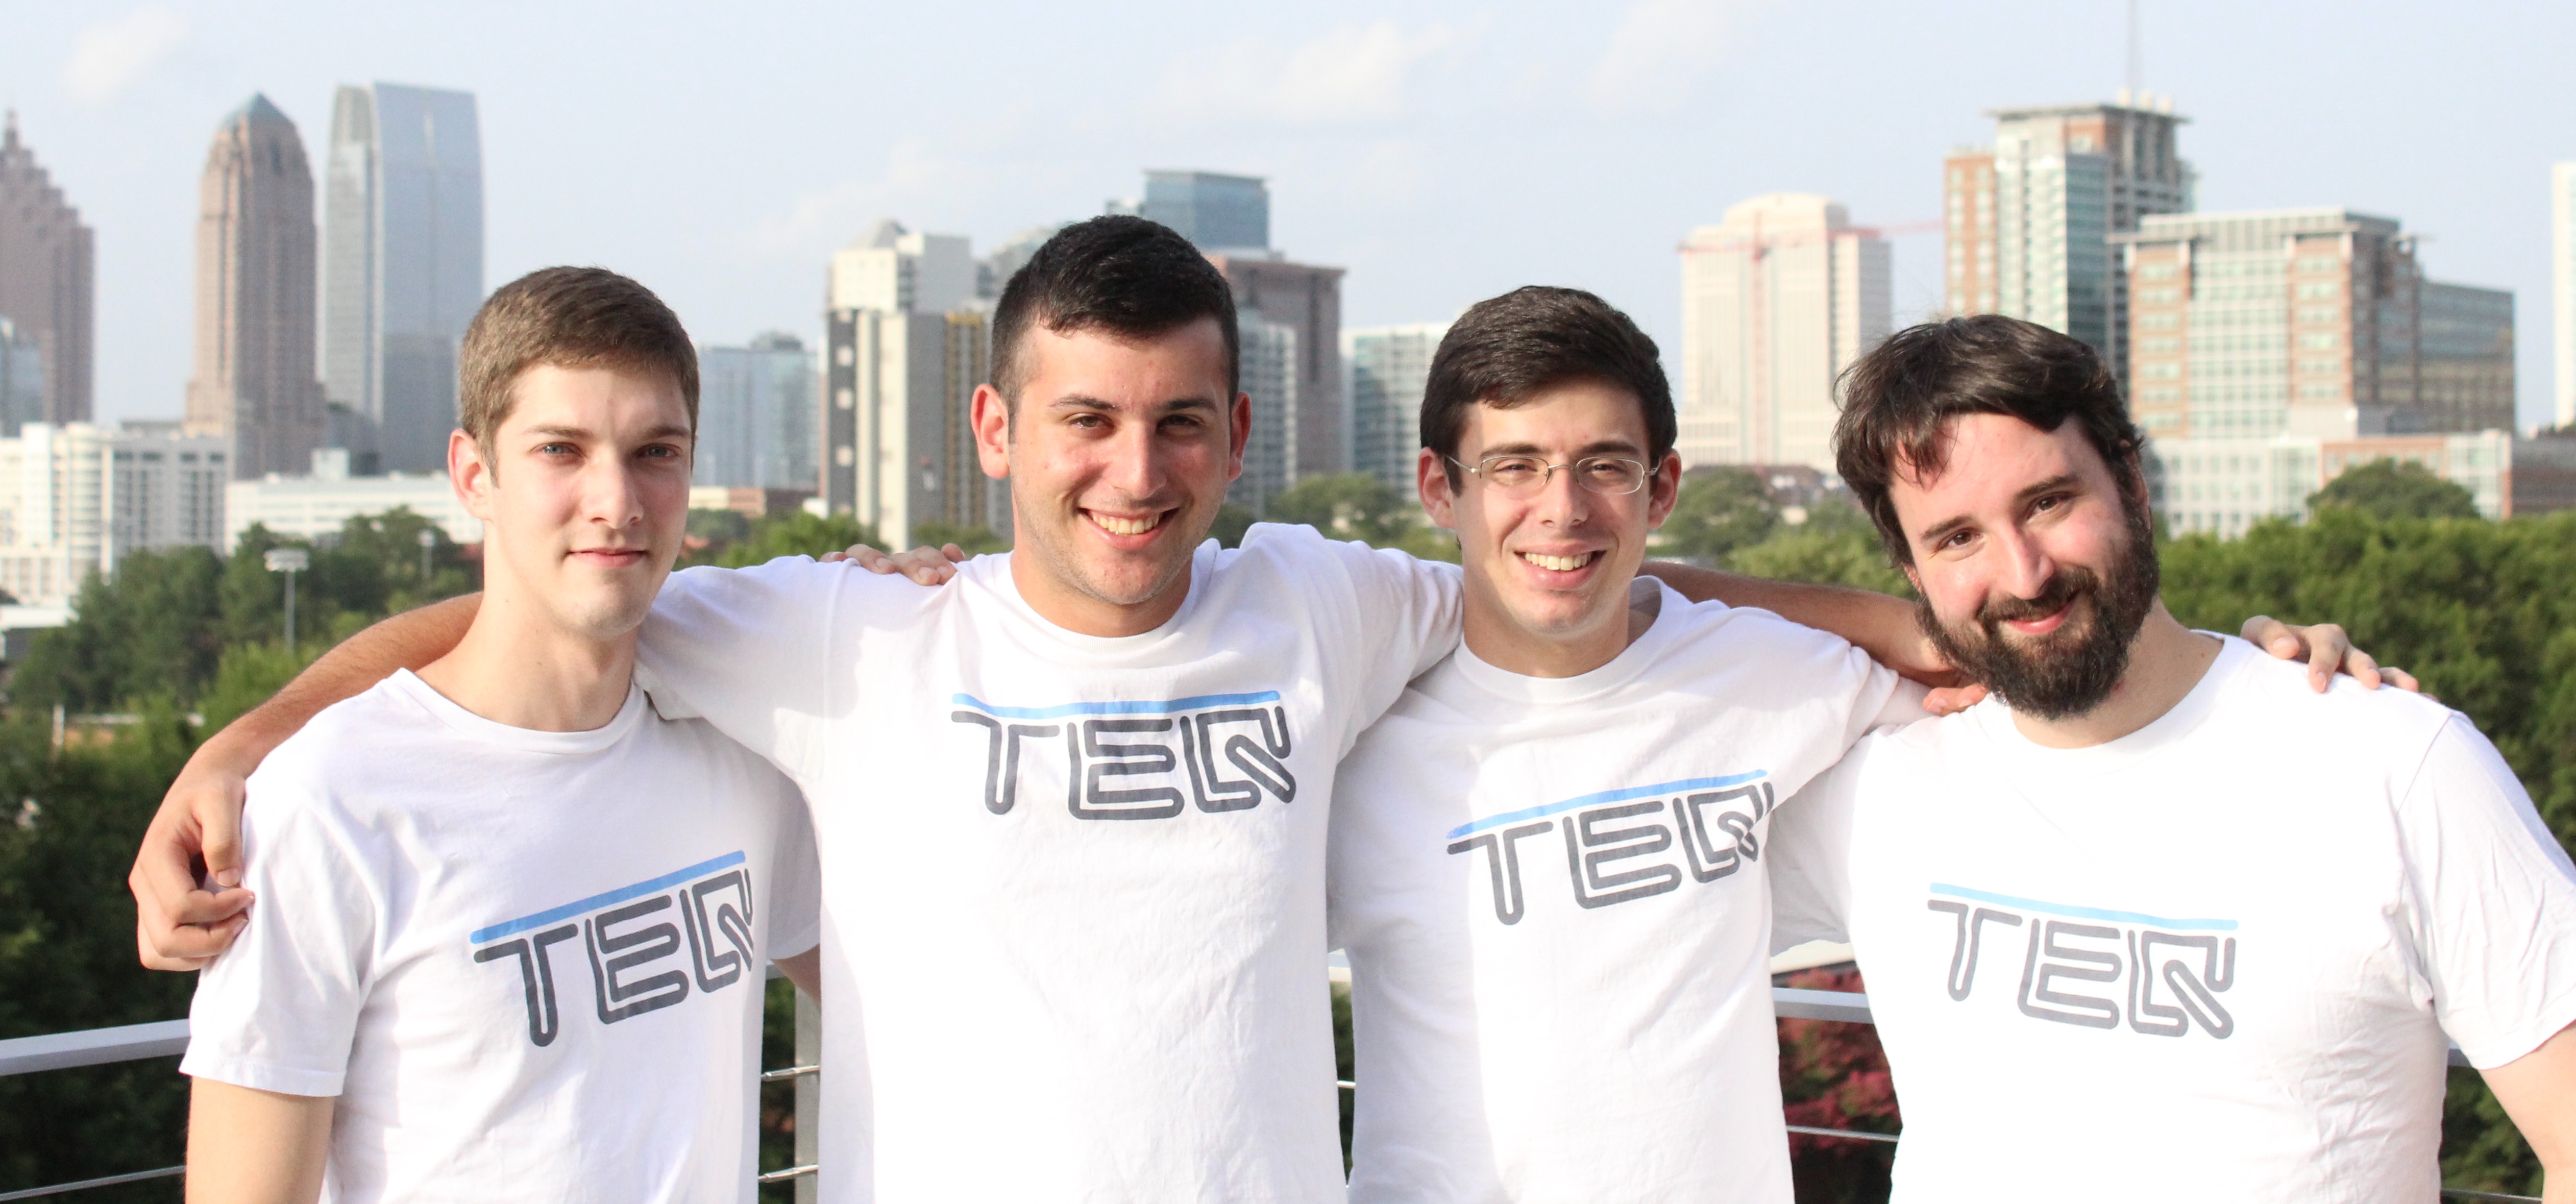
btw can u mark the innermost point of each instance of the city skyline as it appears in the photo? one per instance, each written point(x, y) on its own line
point(1402, 150)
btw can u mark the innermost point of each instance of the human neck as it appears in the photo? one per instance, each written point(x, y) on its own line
point(1058, 602)
point(2165, 661)
point(515, 667)
point(1512, 648)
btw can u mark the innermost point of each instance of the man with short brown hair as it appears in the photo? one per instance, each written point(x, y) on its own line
point(513, 924)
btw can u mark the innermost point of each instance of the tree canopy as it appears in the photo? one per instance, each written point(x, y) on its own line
point(2395, 489)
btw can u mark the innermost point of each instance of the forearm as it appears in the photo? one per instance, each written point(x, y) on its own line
point(1883, 626)
point(405, 641)
point(2538, 1091)
point(255, 1147)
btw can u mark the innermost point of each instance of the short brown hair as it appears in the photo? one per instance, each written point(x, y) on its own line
point(1505, 350)
point(569, 318)
point(1899, 400)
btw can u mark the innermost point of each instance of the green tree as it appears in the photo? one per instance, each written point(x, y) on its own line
point(1719, 510)
point(974, 541)
point(1347, 505)
point(796, 534)
point(151, 628)
point(1232, 521)
point(2395, 489)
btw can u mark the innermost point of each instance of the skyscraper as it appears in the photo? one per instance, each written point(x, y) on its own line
point(1269, 360)
point(403, 264)
point(905, 347)
point(756, 415)
point(22, 378)
point(254, 380)
point(1215, 212)
point(47, 270)
point(2030, 218)
point(1305, 300)
point(1776, 301)
point(2274, 349)
point(2562, 290)
point(1389, 366)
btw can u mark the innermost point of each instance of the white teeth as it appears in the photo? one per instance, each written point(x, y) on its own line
point(1561, 564)
point(1127, 526)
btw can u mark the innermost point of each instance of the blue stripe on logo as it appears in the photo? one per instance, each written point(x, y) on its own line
point(1606, 796)
point(1116, 708)
point(2083, 913)
point(595, 902)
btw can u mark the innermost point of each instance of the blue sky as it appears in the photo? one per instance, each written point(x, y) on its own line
point(1441, 152)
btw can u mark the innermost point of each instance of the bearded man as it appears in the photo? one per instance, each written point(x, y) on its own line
point(2155, 921)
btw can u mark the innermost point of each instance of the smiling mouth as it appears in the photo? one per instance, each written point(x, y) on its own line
point(1124, 526)
point(1560, 564)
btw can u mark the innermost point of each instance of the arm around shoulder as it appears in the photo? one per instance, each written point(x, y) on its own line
point(180, 925)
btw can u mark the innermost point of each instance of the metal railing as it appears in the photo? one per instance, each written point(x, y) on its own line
point(169, 1038)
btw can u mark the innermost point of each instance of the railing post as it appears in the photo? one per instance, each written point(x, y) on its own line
point(809, 1089)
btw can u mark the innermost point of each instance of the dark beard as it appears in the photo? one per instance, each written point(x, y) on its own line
point(2071, 670)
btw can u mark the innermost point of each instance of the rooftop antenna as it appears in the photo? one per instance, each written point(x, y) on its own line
point(2137, 97)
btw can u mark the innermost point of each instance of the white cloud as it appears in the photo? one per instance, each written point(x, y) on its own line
point(1660, 51)
point(1356, 73)
point(109, 56)
point(919, 187)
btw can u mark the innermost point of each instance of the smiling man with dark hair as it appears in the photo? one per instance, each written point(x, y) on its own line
point(2155, 922)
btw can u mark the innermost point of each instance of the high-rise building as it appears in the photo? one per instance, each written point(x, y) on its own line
point(254, 382)
point(1215, 212)
point(2562, 290)
point(1776, 301)
point(1313, 425)
point(77, 498)
point(2030, 218)
point(904, 348)
point(994, 271)
point(402, 266)
point(47, 274)
point(1388, 367)
point(2272, 350)
point(1269, 359)
point(756, 411)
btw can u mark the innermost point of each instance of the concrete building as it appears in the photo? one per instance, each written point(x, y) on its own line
point(994, 271)
point(402, 267)
point(1305, 300)
point(2562, 286)
point(1216, 212)
point(756, 413)
point(318, 505)
point(254, 382)
point(905, 346)
point(48, 269)
point(77, 498)
point(2275, 349)
point(2029, 218)
point(1776, 301)
point(2224, 486)
point(2308, 322)
point(1387, 368)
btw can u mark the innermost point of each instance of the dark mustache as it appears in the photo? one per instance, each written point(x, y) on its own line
point(2062, 587)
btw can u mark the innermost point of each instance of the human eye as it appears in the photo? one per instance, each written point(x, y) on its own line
point(1612, 473)
point(1511, 471)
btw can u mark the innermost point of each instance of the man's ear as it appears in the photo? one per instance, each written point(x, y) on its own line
point(990, 416)
point(1238, 434)
point(1431, 482)
point(1663, 490)
point(468, 475)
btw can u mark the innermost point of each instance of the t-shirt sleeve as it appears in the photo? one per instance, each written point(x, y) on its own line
point(1409, 612)
point(795, 879)
point(279, 1010)
point(747, 650)
point(2493, 901)
point(1810, 855)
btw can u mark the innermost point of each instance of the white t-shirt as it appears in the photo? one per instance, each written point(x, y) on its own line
point(1073, 903)
point(529, 964)
point(1553, 897)
point(2214, 959)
